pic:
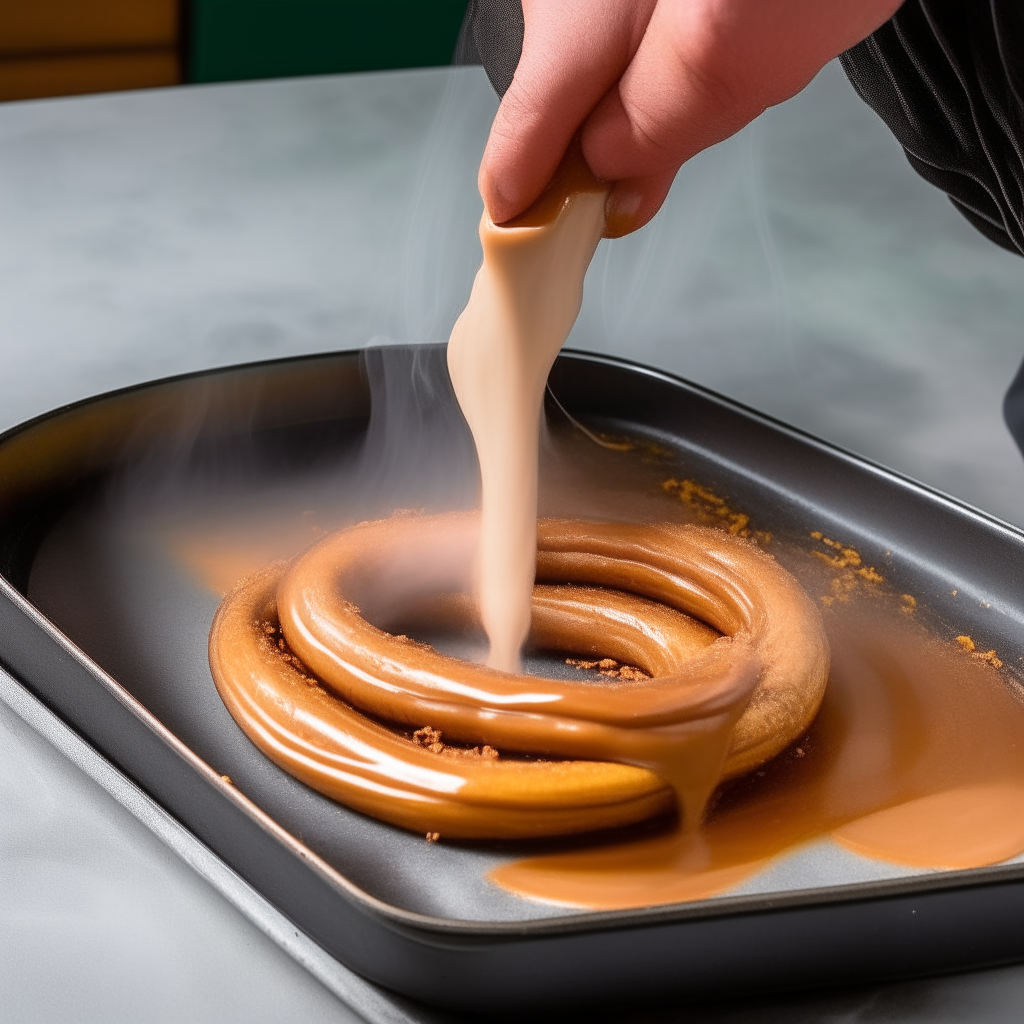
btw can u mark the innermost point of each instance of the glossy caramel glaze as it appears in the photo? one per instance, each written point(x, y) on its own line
point(362, 763)
point(916, 757)
point(736, 652)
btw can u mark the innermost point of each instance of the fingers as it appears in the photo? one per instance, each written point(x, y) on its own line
point(703, 70)
point(652, 83)
point(632, 202)
point(573, 52)
point(665, 108)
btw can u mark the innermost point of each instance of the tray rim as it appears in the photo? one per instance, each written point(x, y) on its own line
point(589, 921)
point(367, 1000)
point(584, 355)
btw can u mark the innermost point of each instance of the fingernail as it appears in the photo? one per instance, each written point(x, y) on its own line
point(621, 209)
point(488, 193)
point(497, 203)
point(498, 208)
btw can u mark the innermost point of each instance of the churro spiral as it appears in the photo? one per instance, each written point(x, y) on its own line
point(735, 650)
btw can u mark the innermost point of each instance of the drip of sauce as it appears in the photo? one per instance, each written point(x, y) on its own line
point(717, 701)
point(916, 758)
point(525, 299)
point(374, 768)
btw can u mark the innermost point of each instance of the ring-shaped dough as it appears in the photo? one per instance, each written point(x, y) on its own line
point(761, 680)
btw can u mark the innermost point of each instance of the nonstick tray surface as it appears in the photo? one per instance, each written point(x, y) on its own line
point(109, 629)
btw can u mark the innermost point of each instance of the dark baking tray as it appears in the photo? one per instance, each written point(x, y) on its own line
point(812, 937)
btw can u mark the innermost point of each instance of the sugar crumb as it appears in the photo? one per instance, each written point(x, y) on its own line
point(990, 656)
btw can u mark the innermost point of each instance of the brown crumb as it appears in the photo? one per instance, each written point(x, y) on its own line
point(800, 752)
point(990, 657)
point(827, 600)
point(870, 575)
point(227, 779)
point(738, 524)
point(486, 752)
point(429, 738)
point(433, 837)
point(630, 672)
point(833, 560)
point(846, 559)
point(953, 592)
point(708, 505)
point(909, 603)
point(610, 668)
point(286, 655)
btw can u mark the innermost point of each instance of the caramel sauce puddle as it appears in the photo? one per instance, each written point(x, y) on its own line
point(915, 758)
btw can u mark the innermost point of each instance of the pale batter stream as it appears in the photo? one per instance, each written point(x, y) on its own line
point(525, 299)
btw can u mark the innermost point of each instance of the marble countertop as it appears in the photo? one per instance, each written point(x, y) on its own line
point(801, 267)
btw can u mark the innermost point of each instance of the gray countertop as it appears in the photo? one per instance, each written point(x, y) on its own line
point(800, 267)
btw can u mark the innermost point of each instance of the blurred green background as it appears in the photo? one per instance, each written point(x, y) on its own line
point(231, 40)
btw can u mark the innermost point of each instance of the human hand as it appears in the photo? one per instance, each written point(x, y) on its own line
point(649, 84)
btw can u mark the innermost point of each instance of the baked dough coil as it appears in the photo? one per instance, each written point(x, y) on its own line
point(735, 650)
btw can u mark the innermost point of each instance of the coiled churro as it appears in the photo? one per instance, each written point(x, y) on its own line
point(736, 653)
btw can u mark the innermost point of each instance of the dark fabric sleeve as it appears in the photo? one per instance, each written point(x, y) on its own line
point(492, 35)
point(946, 76)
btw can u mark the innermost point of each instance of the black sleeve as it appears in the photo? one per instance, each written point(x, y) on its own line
point(492, 35)
point(946, 76)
